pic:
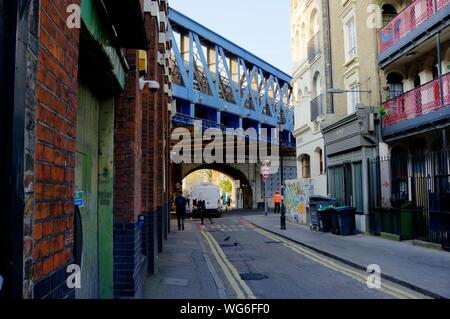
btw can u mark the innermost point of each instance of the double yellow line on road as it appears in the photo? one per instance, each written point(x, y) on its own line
point(241, 288)
point(357, 275)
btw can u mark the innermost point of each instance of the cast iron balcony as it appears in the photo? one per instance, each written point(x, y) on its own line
point(314, 47)
point(407, 20)
point(422, 100)
point(316, 107)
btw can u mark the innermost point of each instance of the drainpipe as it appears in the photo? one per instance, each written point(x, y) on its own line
point(328, 58)
point(439, 60)
point(329, 70)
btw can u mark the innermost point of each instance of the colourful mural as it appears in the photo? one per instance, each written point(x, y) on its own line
point(296, 197)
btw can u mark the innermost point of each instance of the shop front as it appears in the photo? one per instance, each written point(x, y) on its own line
point(349, 144)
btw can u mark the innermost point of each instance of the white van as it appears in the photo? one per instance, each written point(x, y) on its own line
point(212, 196)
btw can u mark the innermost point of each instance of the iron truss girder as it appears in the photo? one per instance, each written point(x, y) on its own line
point(210, 70)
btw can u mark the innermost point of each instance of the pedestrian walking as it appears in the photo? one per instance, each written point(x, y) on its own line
point(277, 201)
point(202, 210)
point(229, 202)
point(180, 206)
point(189, 202)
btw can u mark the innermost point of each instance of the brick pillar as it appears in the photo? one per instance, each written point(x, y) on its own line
point(129, 260)
point(160, 110)
point(155, 141)
point(149, 159)
point(50, 152)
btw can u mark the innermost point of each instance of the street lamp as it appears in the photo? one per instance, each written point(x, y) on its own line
point(281, 123)
point(340, 91)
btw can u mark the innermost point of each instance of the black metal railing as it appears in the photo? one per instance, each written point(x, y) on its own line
point(316, 107)
point(409, 196)
point(314, 47)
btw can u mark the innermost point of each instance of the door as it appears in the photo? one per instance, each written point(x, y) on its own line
point(4, 151)
point(11, 153)
point(86, 189)
point(348, 177)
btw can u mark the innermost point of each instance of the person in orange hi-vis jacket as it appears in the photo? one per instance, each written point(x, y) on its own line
point(277, 201)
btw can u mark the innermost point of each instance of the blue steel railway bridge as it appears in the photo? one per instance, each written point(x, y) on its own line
point(226, 87)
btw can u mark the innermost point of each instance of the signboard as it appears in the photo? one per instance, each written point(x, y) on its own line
point(265, 170)
point(79, 199)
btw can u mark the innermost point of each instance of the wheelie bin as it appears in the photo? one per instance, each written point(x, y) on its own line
point(407, 211)
point(344, 223)
point(316, 202)
point(325, 218)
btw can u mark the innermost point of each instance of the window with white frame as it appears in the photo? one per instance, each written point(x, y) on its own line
point(350, 41)
point(306, 166)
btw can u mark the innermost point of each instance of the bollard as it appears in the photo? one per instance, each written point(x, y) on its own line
point(283, 216)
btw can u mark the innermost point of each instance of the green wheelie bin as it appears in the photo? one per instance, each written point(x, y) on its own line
point(407, 211)
point(325, 218)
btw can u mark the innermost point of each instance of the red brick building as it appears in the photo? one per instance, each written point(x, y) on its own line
point(86, 149)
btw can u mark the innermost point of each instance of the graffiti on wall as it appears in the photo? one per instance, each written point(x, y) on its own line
point(296, 195)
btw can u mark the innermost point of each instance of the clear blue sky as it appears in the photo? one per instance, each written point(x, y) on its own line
point(259, 26)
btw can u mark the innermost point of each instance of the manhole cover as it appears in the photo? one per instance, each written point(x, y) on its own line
point(253, 276)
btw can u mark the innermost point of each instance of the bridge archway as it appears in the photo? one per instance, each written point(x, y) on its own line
point(234, 173)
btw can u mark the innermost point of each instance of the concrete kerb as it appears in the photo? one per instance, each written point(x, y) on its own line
point(355, 265)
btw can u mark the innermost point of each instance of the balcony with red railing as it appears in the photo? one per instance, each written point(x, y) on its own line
point(407, 20)
point(420, 101)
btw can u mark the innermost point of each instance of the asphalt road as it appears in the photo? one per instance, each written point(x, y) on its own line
point(233, 259)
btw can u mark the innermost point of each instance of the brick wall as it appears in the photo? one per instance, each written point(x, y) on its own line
point(52, 95)
point(156, 151)
point(149, 185)
point(128, 255)
point(127, 147)
point(49, 177)
point(167, 100)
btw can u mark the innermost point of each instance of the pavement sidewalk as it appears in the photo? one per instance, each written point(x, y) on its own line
point(185, 270)
point(421, 269)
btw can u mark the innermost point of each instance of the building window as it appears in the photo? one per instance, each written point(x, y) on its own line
point(395, 85)
point(350, 29)
point(357, 168)
point(336, 183)
point(320, 153)
point(306, 166)
point(297, 47)
point(389, 13)
point(340, 181)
